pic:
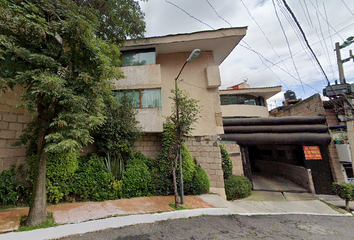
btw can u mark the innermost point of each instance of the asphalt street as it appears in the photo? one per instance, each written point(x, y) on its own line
point(234, 227)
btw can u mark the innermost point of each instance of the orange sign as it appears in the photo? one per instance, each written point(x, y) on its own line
point(312, 152)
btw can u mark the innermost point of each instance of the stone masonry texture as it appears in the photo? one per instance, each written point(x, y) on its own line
point(12, 122)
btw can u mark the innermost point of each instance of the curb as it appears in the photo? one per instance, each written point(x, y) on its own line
point(113, 222)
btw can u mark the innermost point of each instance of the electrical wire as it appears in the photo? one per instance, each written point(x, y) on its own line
point(325, 20)
point(304, 36)
point(307, 10)
point(287, 42)
point(306, 15)
point(325, 44)
point(260, 28)
point(348, 8)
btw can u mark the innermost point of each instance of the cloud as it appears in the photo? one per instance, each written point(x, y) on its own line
point(323, 21)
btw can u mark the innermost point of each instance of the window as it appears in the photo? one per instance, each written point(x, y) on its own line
point(232, 99)
point(138, 57)
point(142, 98)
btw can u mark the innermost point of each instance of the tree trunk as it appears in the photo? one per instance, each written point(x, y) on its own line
point(347, 205)
point(174, 167)
point(37, 211)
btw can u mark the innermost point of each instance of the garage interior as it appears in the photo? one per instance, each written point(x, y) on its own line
point(273, 148)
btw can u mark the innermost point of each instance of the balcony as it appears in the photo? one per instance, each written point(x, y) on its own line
point(139, 77)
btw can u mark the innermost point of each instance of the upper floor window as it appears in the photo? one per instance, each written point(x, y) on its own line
point(138, 57)
point(142, 98)
point(232, 99)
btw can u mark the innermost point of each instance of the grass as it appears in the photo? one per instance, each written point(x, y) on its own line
point(46, 224)
point(174, 207)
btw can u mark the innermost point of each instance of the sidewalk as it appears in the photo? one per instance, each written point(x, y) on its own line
point(76, 218)
point(85, 211)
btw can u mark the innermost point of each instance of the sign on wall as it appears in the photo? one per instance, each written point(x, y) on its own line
point(312, 153)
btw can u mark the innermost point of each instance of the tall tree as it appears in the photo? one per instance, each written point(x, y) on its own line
point(55, 50)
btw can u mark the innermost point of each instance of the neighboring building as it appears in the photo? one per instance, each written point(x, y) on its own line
point(314, 106)
point(279, 145)
point(151, 66)
point(242, 101)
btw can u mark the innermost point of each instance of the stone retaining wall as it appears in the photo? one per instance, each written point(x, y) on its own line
point(206, 151)
point(12, 122)
point(235, 154)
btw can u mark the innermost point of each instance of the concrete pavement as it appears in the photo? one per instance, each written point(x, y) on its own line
point(78, 218)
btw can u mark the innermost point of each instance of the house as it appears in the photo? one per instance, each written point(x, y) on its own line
point(151, 66)
point(292, 142)
point(242, 101)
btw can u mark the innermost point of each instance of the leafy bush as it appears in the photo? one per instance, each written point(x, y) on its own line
point(92, 181)
point(237, 187)
point(162, 172)
point(199, 184)
point(137, 178)
point(188, 165)
point(60, 172)
point(10, 188)
point(345, 191)
point(119, 132)
point(226, 162)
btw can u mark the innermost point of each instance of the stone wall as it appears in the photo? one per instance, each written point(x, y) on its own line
point(12, 122)
point(149, 144)
point(235, 154)
point(206, 151)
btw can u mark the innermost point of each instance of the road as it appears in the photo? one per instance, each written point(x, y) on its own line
point(234, 227)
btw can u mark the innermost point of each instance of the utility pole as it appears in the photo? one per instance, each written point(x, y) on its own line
point(340, 64)
point(348, 107)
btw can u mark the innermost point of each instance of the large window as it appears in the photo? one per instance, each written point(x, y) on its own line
point(142, 98)
point(138, 57)
point(232, 99)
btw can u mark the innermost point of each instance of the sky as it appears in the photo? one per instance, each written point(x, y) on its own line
point(273, 52)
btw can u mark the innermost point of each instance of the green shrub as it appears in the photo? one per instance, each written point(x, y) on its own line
point(199, 184)
point(226, 162)
point(60, 172)
point(120, 130)
point(237, 187)
point(345, 191)
point(188, 165)
point(162, 172)
point(10, 188)
point(92, 181)
point(137, 180)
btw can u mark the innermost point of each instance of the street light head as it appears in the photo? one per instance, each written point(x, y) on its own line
point(194, 55)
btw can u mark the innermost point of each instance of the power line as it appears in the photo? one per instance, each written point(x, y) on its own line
point(307, 10)
point(287, 42)
point(304, 36)
point(325, 20)
point(348, 8)
point(260, 28)
point(189, 14)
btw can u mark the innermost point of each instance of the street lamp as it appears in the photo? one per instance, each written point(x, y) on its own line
point(195, 53)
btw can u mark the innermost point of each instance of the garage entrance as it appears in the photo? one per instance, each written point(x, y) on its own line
point(274, 148)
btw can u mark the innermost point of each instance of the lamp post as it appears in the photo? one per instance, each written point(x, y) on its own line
point(195, 53)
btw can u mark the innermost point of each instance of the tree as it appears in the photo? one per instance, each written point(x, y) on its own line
point(54, 50)
point(119, 132)
point(185, 112)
